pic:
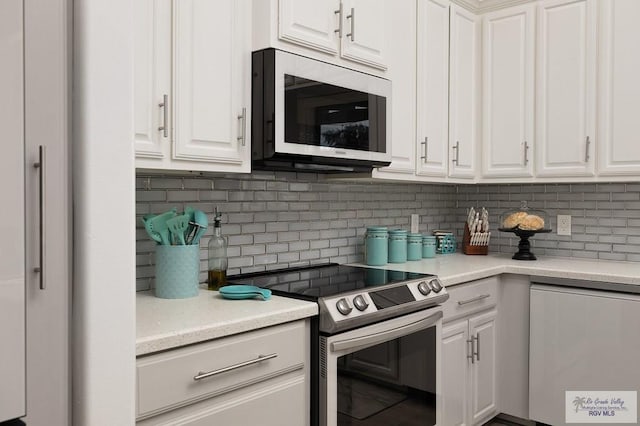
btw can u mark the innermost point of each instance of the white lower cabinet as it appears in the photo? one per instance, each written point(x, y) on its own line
point(257, 377)
point(469, 385)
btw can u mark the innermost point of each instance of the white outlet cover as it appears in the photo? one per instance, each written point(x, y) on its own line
point(564, 224)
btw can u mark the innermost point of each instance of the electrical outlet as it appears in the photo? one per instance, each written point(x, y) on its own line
point(564, 224)
point(415, 222)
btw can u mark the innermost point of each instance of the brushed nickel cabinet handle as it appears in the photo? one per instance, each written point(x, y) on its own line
point(339, 13)
point(352, 17)
point(477, 351)
point(41, 166)
point(165, 115)
point(260, 358)
point(457, 157)
point(243, 125)
point(426, 147)
point(470, 352)
point(474, 299)
point(526, 152)
point(586, 152)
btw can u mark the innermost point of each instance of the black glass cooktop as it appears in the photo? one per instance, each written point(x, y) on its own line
point(313, 282)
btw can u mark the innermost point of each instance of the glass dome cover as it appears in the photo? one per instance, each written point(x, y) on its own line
point(525, 219)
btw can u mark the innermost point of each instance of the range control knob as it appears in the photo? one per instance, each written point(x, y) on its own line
point(424, 288)
point(435, 285)
point(360, 303)
point(343, 306)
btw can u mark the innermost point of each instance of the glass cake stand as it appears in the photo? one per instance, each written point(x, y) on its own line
point(525, 223)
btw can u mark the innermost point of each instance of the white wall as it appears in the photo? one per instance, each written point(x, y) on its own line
point(104, 230)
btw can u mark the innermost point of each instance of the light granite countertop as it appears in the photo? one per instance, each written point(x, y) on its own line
point(170, 323)
point(458, 268)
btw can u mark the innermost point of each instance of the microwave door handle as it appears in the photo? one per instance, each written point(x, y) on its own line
point(387, 335)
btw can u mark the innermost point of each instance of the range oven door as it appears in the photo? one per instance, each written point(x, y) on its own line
point(383, 373)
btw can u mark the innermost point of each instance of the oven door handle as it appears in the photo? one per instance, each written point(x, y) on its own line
point(387, 335)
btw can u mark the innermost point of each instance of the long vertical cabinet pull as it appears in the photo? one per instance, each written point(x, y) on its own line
point(526, 153)
point(165, 115)
point(470, 352)
point(477, 346)
point(40, 165)
point(457, 157)
point(586, 151)
point(243, 125)
point(352, 18)
point(426, 146)
point(339, 13)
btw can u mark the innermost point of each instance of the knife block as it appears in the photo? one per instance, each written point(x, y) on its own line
point(467, 248)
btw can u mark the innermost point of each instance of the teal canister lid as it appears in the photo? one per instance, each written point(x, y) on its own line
point(397, 233)
point(414, 237)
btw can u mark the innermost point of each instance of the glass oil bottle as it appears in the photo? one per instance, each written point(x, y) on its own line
point(217, 275)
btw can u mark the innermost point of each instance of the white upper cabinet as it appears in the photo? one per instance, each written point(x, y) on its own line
point(566, 66)
point(152, 77)
point(363, 31)
point(619, 88)
point(508, 92)
point(402, 72)
point(432, 103)
point(205, 123)
point(310, 23)
point(353, 29)
point(464, 105)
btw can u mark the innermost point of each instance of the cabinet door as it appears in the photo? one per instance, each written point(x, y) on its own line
point(482, 329)
point(402, 72)
point(12, 219)
point(363, 32)
point(464, 92)
point(432, 101)
point(565, 88)
point(212, 83)
point(619, 100)
point(152, 77)
point(310, 23)
point(508, 77)
point(456, 350)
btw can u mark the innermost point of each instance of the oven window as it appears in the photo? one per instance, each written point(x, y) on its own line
point(322, 114)
point(390, 383)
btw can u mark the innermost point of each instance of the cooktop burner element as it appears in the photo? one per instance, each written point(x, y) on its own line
point(352, 296)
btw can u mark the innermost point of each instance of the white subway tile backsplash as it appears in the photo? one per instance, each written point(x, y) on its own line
point(275, 220)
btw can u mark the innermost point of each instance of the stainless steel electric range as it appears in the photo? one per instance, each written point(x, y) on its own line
point(375, 346)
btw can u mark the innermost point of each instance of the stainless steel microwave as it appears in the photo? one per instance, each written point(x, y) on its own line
point(308, 115)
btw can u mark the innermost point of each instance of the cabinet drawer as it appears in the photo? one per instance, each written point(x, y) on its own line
point(465, 299)
point(168, 380)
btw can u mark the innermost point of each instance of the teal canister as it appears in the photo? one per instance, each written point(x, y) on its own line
point(376, 246)
point(397, 246)
point(428, 246)
point(414, 246)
